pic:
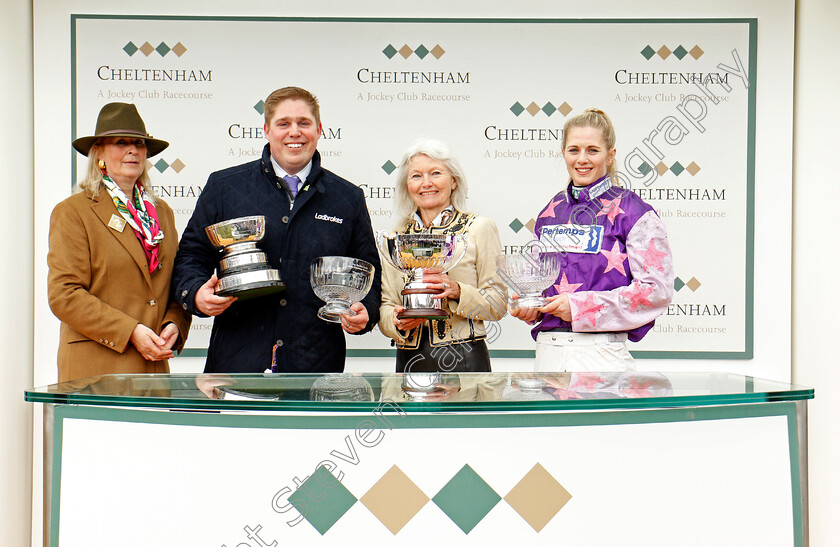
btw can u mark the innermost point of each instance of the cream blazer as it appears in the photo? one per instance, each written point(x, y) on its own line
point(483, 296)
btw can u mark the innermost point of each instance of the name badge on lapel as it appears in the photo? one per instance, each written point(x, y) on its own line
point(117, 223)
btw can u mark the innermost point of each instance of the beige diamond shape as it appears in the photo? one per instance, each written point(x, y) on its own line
point(693, 284)
point(148, 165)
point(538, 497)
point(179, 49)
point(564, 108)
point(693, 168)
point(664, 52)
point(394, 499)
point(696, 52)
point(530, 225)
point(177, 165)
point(532, 109)
point(437, 52)
point(147, 49)
point(406, 51)
point(661, 168)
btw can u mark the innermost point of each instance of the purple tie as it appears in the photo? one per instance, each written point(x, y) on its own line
point(292, 181)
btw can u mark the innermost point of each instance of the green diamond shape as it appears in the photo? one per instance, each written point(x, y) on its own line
point(322, 500)
point(389, 167)
point(130, 48)
point(517, 108)
point(648, 52)
point(466, 499)
point(549, 109)
point(678, 284)
point(677, 168)
point(260, 107)
point(680, 52)
point(390, 51)
point(421, 51)
point(162, 49)
point(644, 168)
point(516, 225)
point(161, 165)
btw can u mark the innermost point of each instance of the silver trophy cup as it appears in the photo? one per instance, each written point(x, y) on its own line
point(339, 281)
point(528, 275)
point(243, 270)
point(412, 254)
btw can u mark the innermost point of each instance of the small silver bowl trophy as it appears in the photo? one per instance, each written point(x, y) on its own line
point(339, 281)
point(243, 270)
point(529, 274)
point(411, 254)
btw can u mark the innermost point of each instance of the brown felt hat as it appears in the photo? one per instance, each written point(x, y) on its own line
point(120, 120)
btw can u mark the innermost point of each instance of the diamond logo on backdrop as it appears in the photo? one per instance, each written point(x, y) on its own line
point(177, 165)
point(260, 107)
point(517, 108)
point(661, 168)
point(644, 168)
point(648, 52)
point(678, 284)
point(564, 108)
point(466, 499)
point(532, 109)
point(406, 51)
point(693, 168)
point(530, 225)
point(322, 499)
point(162, 49)
point(179, 49)
point(680, 52)
point(677, 168)
point(538, 497)
point(147, 49)
point(693, 284)
point(394, 499)
point(389, 167)
point(549, 109)
point(130, 48)
point(516, 225)
point(161, 165)
point(696, 52)
point(422, 51)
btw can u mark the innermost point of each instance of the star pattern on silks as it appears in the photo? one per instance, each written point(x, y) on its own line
point(549, 209)
point(637, 389)
point(610, 208)
point(615, 259)
point(565, 287)
point(588, 310)
point(587, 381)
point(639, 296)
point(652, 257)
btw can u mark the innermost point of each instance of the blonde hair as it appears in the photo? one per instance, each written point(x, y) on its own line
point(438, 151)
point(92, 182)
point(290, 93)
point(598, 119)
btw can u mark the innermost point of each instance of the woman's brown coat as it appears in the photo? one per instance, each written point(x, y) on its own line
point(100, 288)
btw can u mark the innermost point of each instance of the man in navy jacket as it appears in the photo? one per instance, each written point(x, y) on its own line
point(324, 215)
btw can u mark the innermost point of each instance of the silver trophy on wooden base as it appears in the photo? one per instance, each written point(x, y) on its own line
point(244, 271)
point(412, 254)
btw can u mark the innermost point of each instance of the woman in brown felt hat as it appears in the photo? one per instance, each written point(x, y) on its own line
point(112, 246)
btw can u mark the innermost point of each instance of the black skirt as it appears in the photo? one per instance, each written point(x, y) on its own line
point(467, 356)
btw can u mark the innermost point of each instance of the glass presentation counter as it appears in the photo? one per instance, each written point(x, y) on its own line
point(361, 459)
